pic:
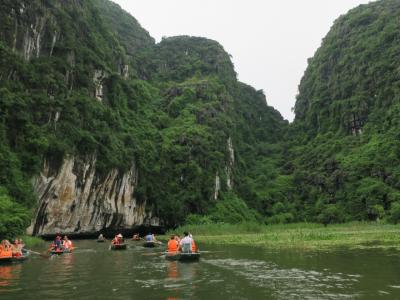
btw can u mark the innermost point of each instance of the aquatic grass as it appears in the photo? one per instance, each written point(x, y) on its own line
point(300, 235)
point(32, 241)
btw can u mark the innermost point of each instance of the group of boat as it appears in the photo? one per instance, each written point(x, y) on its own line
point(174, 252)
point(11, 253)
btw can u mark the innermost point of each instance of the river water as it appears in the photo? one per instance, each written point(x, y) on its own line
point(94, 272)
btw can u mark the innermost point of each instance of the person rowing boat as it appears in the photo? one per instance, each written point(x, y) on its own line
point(118, 239)
point(118, 243)
point(184, 250)
point(61, 246)
point(187, 244)
point(136, 237)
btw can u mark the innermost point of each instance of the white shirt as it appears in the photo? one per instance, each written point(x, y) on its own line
point(186, 240)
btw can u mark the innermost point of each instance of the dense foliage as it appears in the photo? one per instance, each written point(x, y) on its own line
point(180, 115)
point(345, 139)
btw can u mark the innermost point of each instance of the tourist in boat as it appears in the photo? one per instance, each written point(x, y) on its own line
point(136, 237)
point(177, 238)
point(17, 248)
point(150, 237)
point(5, 249)
point(67, 244)
point(173, 245)
point(101, 237)
point(115, 241)
point(185, 245)
point(118, 239)
point(57, 244)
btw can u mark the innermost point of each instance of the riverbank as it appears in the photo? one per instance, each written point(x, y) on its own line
point(305, 236)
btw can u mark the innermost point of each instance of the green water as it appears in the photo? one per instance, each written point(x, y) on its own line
point(94, 272)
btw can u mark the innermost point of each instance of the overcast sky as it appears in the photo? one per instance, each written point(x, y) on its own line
point(269, 40)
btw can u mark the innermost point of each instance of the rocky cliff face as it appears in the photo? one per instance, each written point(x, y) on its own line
point(74, 199)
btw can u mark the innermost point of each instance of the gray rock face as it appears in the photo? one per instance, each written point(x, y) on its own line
point(73, 199)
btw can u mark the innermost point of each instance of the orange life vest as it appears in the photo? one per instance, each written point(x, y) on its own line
point(5, 253)
point(173, 246)
point(194, 248)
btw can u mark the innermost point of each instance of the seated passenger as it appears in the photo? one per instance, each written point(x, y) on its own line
point(150, 237)
point(185, 244)
point(67, 243)
point(57, 243)
point(173, 245)
point(5, 249)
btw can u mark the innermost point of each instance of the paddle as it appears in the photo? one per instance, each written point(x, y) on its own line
point(44, 254)
point(154, 253)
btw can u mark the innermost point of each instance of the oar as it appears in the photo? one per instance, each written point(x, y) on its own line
point(154, 253)
point(44, 254)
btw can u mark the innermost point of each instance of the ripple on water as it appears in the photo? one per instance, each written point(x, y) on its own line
point(290, 283)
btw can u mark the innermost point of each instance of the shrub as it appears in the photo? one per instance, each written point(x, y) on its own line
point(395, 213)
point(14, 218)
point(194, 219)
point(232, 209)
point(282, 218)
point(330, 214)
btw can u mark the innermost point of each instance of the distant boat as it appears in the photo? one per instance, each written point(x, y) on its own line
point(186, 257)
point(118, 246)
point(101, 240)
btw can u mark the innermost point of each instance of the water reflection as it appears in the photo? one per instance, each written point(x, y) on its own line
point(9, 275)
point(181, 279)
point(172, 270)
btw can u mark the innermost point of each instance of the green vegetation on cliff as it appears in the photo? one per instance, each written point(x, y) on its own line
point(344, 153)
point(86, 85)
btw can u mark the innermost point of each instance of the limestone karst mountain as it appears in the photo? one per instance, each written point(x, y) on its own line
point(104, 129)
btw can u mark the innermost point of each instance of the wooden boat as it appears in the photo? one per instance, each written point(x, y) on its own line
point(15, 259)
point(60, 251)
point(101, 240)
point(118, 246)
point(149, 244)
point(185, 257)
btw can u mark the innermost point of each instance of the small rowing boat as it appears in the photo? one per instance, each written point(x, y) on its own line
point(15, 259)
point(60, 251)
point(118, 246)
point(185, 257)
point(101, 240)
